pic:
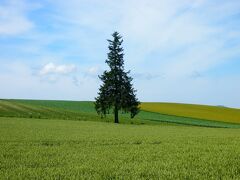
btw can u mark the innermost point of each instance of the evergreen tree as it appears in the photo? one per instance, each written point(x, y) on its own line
point(116, 93)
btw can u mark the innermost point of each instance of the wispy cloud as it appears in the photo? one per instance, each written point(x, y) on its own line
point(191, 32)
point(196, 74)
point(14, 17)
point(147, 76)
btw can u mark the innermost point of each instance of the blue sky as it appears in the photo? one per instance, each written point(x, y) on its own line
point(178, 51)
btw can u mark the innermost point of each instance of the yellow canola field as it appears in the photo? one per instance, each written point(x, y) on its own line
point(216, 113)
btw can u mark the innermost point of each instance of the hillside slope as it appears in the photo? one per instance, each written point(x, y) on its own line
point(82, 110)
point(27, 109)
point(215, 113)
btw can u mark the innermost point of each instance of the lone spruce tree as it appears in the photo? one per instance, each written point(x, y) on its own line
point(116, 93)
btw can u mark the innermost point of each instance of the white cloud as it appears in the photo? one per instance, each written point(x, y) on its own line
point(18, 81)
point(52, 68)
point(26, 86)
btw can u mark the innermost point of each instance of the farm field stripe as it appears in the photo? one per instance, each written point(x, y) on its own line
point(214, 113)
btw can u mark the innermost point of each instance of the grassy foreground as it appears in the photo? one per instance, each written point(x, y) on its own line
point(56, 149)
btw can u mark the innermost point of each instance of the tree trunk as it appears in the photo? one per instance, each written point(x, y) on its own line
point(116, 115)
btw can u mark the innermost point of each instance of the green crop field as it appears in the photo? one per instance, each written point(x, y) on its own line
point(75, 110)
point(42, 139)
point(65, 149)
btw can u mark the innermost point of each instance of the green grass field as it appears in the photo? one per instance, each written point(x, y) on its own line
point(76, 110)
point(65, 149)
point(42, 139)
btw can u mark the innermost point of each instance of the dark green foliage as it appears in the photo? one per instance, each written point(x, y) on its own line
point(116, 93)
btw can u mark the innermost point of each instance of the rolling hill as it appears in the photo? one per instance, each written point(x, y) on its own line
point(214, 113)
point(151, 113)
